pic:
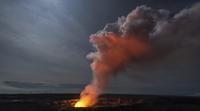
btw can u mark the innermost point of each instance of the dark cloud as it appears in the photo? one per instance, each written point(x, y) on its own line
point(32, 85)
point(17, 84)
point(39, 38)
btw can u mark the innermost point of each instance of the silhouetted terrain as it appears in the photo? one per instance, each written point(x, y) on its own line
point(109, 102)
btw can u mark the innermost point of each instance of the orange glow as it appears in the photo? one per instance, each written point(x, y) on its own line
point(84, 102)
point(80, 103)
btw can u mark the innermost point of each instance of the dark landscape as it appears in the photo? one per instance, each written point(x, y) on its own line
point(108, 102)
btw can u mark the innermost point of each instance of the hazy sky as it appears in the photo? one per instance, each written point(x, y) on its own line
point(43, 44)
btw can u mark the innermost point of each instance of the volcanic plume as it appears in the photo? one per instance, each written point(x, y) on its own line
point(139, 36)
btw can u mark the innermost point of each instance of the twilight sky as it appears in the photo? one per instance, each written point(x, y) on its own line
point(43, 44)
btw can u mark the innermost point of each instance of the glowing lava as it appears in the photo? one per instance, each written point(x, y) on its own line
point(83, 102)
point(80, 103)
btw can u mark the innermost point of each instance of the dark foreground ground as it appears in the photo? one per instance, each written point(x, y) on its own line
point(60, 102)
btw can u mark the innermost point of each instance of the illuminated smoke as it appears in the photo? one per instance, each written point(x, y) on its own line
point(144, 34)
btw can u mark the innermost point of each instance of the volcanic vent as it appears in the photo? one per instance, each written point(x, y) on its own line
point(110, 102)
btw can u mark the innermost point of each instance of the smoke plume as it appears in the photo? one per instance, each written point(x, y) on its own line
point(145, 34)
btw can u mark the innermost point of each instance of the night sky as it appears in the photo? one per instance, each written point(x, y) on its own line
point(44, 43)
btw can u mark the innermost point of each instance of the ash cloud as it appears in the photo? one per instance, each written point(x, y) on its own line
point(145, 35)
point(179, 31)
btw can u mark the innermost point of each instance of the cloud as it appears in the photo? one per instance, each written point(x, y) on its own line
point(17, 84)
point(196, 94)
point(40, 39)
point(34, 85)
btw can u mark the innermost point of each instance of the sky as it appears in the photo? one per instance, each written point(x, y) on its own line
point(44, 43)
